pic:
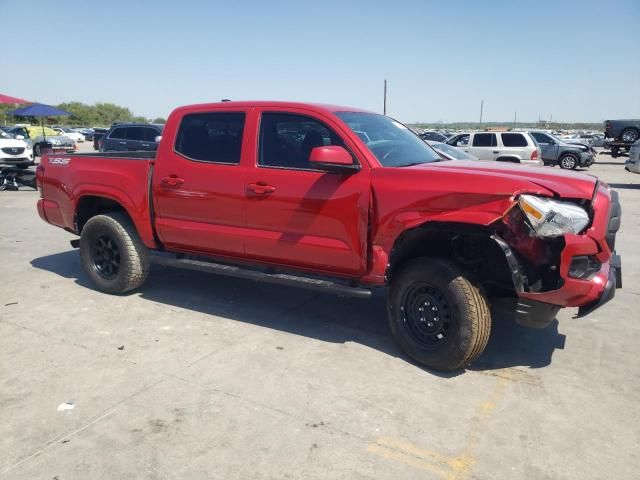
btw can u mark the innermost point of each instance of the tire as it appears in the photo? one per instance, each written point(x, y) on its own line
point(112, 254)
point(448, 340)
point(629, 135)
point(615, 152)
point(23, 166)
point(36, 150)
point(568, 161)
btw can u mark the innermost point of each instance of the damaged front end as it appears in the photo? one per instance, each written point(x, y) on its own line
point(560, 254)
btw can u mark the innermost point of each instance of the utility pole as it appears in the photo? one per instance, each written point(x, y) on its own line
point(481, 107)
point(515, 119)
point(384, 107)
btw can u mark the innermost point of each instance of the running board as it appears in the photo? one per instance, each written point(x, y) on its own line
point(310, 283)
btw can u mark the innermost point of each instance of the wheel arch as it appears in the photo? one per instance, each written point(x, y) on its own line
point(473, 246)
point(89, 205)
point(509, 158)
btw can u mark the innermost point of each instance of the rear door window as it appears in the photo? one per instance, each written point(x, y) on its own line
point(484, 140)
point(135, 133)
point(513, 140)
point(211, 137)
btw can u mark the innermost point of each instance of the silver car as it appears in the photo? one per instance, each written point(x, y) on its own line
point(632, 163)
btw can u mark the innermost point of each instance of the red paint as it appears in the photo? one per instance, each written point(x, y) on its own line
point(343, 224)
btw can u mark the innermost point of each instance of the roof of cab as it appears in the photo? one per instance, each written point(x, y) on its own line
point(278, 104)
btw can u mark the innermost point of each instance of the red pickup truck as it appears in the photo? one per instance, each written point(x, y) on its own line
point(343, 200)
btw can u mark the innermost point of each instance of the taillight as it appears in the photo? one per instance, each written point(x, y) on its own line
point(40, 179)
point(534, 155)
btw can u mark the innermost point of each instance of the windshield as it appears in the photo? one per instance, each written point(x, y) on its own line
point(451, 151)
point(4, 134)
point(393, 144)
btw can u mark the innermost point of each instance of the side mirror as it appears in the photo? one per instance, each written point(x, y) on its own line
point(19, 137)
point(157, 139)
point(333, 159)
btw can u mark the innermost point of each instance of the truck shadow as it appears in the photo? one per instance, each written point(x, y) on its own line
point(311, 314)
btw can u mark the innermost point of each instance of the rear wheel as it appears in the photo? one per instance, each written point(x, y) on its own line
point(437, 315)
point(568, 161)
point(629, 135)
point(112, 254)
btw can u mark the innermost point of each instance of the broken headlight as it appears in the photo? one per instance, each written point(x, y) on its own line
point(551, 218)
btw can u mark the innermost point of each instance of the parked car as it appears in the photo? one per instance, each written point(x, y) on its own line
point(14, 152)
point(291, 193)
point(516, 147)
point(433, 136)
point(131, 137)
point(86, 132)
point(632, 164)
point(451, 152)
point(68, 132)
point(558, 152)
point(627, 131)
point(42, 137)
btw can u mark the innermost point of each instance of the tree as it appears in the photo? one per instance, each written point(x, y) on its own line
point(159, 120)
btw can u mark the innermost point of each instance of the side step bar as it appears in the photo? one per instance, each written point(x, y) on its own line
point(310, 283)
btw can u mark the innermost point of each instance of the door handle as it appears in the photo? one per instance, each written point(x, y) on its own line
point(172, 181)
point(122, 143)
point(496, 151)
point(261, 188)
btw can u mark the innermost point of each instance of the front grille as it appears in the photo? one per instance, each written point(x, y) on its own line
point(613, 225)
point(13, 150)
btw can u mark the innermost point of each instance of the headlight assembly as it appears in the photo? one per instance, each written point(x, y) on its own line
point(551, 218)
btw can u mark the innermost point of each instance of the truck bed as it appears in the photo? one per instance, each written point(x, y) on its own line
point(123, 177)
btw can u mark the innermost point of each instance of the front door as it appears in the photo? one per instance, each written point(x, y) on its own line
point(198, 184)
point(548, 146)
point(299, 216)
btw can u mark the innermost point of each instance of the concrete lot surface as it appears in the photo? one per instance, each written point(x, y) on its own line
point(198, 376)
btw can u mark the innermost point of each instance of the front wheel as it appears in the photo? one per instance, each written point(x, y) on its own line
point(437, 315)
point(568, 162)
point(112, 254)
point(36, 150)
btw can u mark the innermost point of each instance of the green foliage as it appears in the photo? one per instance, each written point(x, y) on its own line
point(159, 120)
point(97, 115)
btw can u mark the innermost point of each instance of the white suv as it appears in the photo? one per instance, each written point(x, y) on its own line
point(516, 147)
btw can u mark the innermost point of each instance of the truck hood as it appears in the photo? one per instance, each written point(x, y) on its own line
point(516, 178)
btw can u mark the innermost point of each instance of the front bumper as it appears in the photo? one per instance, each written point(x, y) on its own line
point(598, 243)
point(614, 281)
point(586, 159)
point(15, 160)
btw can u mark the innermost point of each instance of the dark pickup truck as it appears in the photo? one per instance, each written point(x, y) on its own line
point(627, 131)
point(345, 201)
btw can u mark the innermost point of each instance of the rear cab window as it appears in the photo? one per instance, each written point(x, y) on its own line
point(213, 137)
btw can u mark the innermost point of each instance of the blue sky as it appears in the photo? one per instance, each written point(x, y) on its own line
point(536, 58)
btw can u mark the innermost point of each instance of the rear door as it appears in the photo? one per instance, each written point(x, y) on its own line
point(135, 134)
point(198, 183)
point(296, 215)
point(484, 146)
point(515, 144)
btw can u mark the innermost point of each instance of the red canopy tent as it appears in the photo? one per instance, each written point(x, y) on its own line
point(12, 100)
